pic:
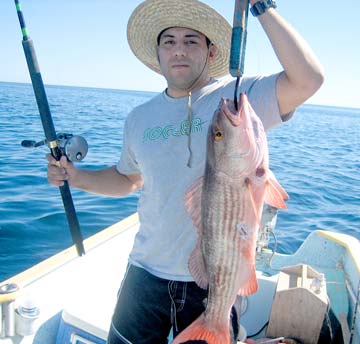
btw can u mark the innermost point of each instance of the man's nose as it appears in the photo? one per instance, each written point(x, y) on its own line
point(180, 50)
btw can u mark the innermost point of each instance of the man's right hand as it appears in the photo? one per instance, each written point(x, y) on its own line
point(58, 171)
point(107, 181)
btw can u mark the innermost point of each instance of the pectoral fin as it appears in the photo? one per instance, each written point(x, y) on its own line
point(275, 195)
point(193, 202)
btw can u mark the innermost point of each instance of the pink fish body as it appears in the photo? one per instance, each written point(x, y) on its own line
point(226, 206)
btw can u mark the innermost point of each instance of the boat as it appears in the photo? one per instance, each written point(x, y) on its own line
point(70, 299)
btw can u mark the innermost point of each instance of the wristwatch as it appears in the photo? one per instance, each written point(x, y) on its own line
point(261, 6)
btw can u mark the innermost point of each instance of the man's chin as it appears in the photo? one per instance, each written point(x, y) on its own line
point(182, 85)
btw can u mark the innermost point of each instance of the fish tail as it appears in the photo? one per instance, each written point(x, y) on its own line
point(201, 330)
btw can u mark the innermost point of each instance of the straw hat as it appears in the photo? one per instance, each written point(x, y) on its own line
point(153, 16)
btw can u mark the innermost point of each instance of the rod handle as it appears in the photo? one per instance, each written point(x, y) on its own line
point(238, 38)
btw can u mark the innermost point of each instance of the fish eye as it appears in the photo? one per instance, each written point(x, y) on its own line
point(218, 135)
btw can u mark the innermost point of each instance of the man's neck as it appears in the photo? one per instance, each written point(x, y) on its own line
point(179, 93)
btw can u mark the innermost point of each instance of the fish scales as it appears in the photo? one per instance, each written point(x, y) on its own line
point(220, 247)
point(225, 228)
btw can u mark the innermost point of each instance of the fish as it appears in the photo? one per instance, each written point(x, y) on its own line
point(225, 205)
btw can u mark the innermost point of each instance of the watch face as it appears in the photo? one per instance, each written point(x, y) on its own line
point(269, 3)
point(261, 6)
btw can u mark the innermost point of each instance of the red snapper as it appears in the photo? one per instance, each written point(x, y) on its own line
point(226, 206)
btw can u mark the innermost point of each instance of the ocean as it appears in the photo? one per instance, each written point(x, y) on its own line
point(315, 156)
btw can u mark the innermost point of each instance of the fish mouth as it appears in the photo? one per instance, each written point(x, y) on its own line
point(233, 115)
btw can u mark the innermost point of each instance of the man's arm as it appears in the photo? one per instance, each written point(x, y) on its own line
point(107, 181)
point(303, 74)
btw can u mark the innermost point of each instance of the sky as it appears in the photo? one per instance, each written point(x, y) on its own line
point(83, 43)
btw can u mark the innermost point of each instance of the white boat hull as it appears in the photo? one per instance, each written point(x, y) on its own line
point(76, 295)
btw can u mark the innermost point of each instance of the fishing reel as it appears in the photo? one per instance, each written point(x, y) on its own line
point(74, 147)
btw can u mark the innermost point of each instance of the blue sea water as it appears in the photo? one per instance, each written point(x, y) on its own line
point(315, 156)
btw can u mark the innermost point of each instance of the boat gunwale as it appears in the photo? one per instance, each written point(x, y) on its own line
point(350, 243)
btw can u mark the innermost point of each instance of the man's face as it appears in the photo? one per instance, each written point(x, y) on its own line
point(184, 57)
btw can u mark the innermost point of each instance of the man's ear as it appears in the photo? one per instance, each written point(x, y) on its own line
point(157, 53)
point(212, 51)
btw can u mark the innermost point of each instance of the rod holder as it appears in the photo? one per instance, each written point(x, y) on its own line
point(8, 294)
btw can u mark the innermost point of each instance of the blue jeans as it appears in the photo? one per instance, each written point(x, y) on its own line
point(148, 307)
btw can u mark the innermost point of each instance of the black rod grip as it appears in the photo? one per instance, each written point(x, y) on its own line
point(70, 211)
point(72, 218)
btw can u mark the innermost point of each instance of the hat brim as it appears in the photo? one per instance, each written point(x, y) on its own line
point(153, 16)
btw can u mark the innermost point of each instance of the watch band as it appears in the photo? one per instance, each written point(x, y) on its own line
point(261, 6)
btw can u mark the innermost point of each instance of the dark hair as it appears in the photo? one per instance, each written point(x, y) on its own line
point(208, 42)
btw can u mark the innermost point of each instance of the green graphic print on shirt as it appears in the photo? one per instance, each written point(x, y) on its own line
point(163, 133)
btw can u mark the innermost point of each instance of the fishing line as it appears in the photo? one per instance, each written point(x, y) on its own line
point(190, 119)
point(273, 251)
point(236, 93)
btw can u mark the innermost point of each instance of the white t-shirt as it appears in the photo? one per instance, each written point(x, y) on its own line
point(156, 146)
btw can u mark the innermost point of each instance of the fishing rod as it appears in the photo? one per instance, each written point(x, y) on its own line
point(238, 43)
point(49, 129)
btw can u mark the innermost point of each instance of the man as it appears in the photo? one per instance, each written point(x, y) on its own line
point(164, 150)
